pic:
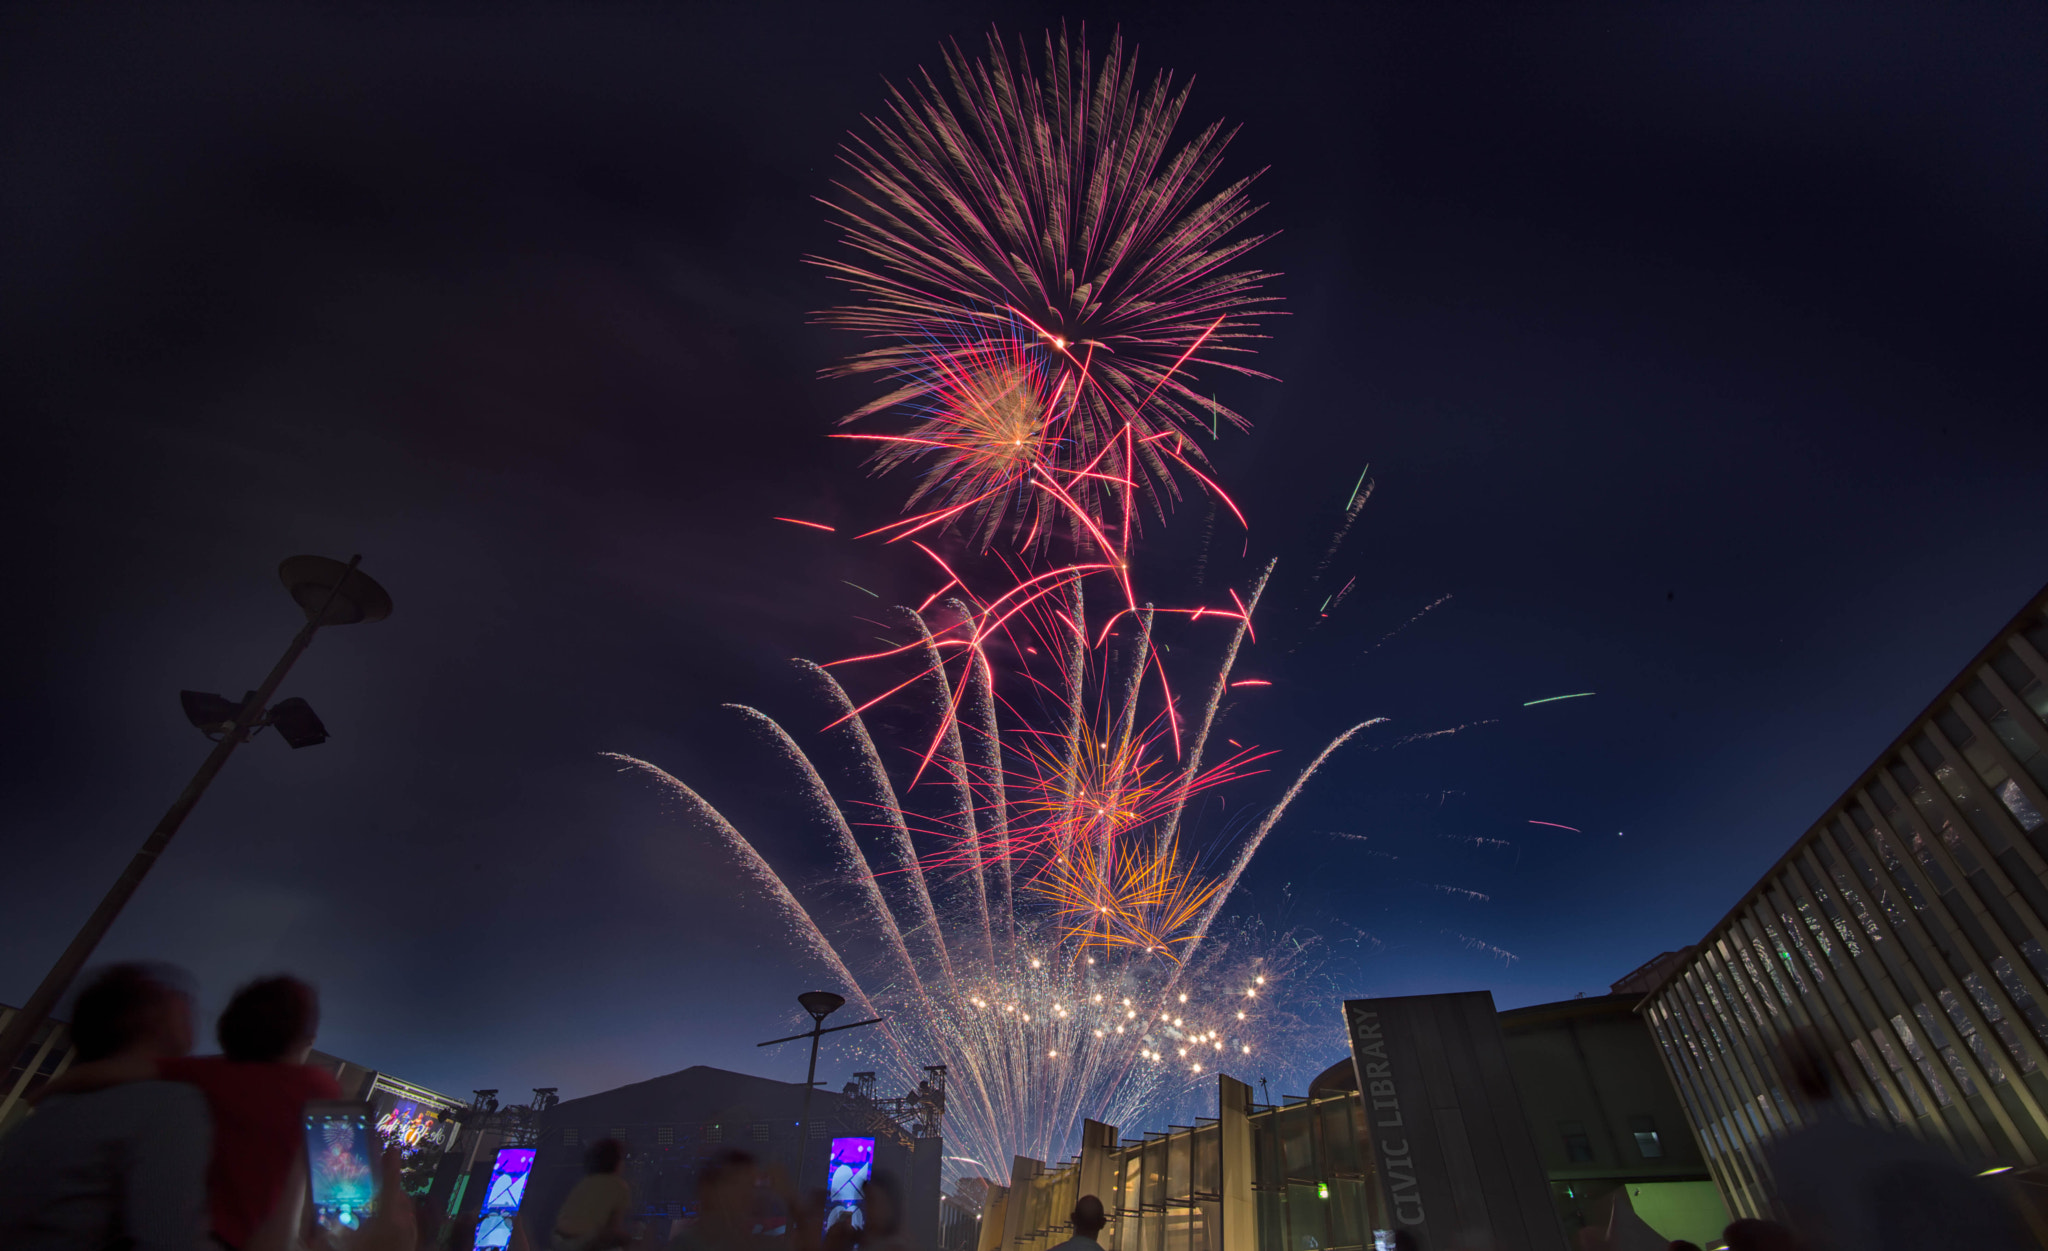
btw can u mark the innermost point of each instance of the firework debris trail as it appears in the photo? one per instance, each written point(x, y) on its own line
point(1480, 944)
point(852, 858)
point(1359, 495)
point(1476, 841)
point(759, 869)
point(1405, 624)
point(1251, 845)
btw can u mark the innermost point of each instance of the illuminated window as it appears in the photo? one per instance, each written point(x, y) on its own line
point(1645, 1130)
point(665, 1136)
point(570, 1138)
point(1577, 1147)
point(760, 1129)
point(714, 1133)
point(618, 1133)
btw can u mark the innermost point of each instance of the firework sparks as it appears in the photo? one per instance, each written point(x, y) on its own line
point(1551, 699)
point(1555, 826)
point(1044, 274)
point(1115, 987)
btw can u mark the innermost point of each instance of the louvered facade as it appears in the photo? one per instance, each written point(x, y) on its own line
point(1909, 928)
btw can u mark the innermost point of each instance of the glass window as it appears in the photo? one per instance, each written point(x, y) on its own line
point(2007, 728)
point(2025, 683)
point(1995, 778)
point(1578, 1148)
point(1644, 1128)
point(1950, 779)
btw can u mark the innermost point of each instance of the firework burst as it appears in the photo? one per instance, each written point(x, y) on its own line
point(1051, 214)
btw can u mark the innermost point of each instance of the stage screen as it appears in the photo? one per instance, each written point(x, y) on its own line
point(853, 1161)
point(407, 1124)
point(502, 1194)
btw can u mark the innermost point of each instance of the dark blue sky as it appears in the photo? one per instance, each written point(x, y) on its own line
point(1696, 354)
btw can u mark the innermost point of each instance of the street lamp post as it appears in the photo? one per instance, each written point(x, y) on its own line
point(820, 1004)
point(330, 593)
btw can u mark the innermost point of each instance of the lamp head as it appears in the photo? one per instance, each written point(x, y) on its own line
point(821, 1003)
point(311, 580)
point(209, 713)
point(297, 724)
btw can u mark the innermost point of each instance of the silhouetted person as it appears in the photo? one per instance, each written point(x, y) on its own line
point(256, 1090)
point(1087, 1220)
point(1750, 1234)
point(1846, 1186)
point(1680, 1244)
point(123, 1167)
point(593, 1217)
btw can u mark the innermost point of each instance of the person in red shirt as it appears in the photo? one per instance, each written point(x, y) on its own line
point(256, 1089)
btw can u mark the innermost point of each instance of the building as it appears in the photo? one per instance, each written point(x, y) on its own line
point(1293, 1176)
point(673, 1125)
point(1908, 929)
point(1609, 1129)
point(1438, 1143)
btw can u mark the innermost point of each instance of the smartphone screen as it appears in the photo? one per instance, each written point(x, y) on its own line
point(339, 1164)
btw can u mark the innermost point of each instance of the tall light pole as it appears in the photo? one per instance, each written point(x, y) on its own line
point(820, 1004)
point(330, 593)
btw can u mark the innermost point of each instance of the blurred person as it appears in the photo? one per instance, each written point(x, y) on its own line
point(1680, 1244)
point(1750, 1234)
point(256, 1091)
point(123, 1167)
point(726, 1187)
point(593, 1217)
point(1087, 1220)
point(883, 1210)
point(1842, 1185)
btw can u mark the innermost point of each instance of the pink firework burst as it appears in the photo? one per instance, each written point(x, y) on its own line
point(1055, 208)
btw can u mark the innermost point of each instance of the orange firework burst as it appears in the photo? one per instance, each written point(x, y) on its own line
point(1083, 792)
point(1133, 893)
point(987, 418)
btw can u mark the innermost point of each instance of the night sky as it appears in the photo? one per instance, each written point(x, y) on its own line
point(1696, 353)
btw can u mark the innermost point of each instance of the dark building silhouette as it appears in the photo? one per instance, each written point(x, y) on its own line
point(1608, 1125)
point(673, 1124)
